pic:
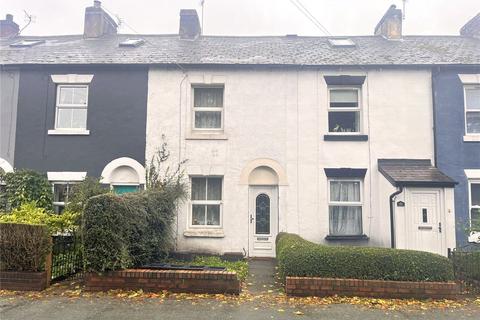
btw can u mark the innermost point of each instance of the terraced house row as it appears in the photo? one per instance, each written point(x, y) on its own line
point(365, 140)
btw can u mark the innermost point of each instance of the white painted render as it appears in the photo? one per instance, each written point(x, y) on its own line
point(280, 114)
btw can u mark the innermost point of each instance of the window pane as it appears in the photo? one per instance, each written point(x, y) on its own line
point(79, 118)
point(213, 215)
point(344, 121)
point(345, 221)
point(118, 189)
point(208, 97)
point(475, 194)
point(475, 216)
point(64, 118)
point(343, 98)
point(473, 122)
point(199, 189)
point(347, 191)
point(59, 192)
point(472, 98)
point(66, 95)
point(214, 191)
point(208, 119)
point(198, 215)
point(262, 214)
point(80, 95)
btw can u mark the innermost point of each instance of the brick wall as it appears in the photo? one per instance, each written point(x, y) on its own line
point(306, 286)
point(23, 281)
point(172, 280)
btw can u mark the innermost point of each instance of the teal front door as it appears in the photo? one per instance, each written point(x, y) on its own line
point(119, 189)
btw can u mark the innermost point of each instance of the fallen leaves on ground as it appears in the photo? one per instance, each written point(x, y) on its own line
point(269, 298)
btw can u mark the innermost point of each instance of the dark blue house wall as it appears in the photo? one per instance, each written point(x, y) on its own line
point(116, 118)
point(453, 155)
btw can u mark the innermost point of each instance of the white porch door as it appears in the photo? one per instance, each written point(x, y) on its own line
point(425, 221)
point(263, 220)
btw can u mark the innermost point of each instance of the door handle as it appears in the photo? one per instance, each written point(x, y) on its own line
point(251, 218)
point(440, 227)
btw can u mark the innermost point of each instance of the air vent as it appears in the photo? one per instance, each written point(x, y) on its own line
point(26, 43)
point(341, 42)
point(131, 43)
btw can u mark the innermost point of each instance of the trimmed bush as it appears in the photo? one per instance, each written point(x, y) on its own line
point(23, 247)
point(129, 230)
point(299, 257)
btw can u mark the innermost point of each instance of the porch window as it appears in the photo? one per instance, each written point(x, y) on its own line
point(71, 107)
point(61, 192)
point(472, 110)
point(345, 207)
point(344, 110)
point(208, 108)
point(206, 199)
point(474, 202)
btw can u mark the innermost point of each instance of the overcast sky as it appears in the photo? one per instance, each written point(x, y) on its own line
point(246, 17)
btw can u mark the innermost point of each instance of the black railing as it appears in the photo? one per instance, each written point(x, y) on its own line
point(66, 257)
point(466, 263)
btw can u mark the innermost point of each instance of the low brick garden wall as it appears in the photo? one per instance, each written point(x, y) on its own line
point(171, 280)
point(23, 281)
point(310, 286)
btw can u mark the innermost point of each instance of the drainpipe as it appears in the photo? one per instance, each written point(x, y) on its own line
point(392, 220)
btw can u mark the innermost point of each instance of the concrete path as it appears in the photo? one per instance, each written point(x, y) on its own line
point(262, 276)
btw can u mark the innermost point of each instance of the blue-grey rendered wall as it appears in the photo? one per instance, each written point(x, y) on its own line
point(116, 118)
point(453, 155)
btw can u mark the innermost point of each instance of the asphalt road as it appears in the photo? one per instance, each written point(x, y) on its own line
point(83, 308)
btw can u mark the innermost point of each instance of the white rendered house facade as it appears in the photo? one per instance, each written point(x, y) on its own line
point(296, 149)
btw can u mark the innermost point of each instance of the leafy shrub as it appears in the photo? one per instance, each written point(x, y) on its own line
point(23, 186)
point(130, 230)
point(30, 213)
point(299, 257)
point(23, 247)
point(81, 192)
point(467, 264)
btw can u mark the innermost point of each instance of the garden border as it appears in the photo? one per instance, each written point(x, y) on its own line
point(313, 286)
point(171, 280)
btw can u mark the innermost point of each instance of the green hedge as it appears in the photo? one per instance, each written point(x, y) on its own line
point(467, 264)
point(23, 247)
point(128, 231)
point(299, 257)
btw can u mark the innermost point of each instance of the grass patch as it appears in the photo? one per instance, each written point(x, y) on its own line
point(240, 267)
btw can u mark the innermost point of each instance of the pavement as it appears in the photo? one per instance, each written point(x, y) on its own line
point(262, 298)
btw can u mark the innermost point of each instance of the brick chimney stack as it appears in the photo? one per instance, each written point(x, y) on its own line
point(472, 28)
point(189, 24)
point(97, 22)
point(390, 26)
point(8, 28)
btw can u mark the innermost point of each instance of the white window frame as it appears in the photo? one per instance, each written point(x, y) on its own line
point(465, 88)
point(211, 109)
point(470, 205)
point(345, 203)
point(59, 105)
point(205, 202)
point(358, 109)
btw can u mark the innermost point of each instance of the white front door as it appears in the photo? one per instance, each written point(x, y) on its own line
point(424, 223)
point(263, 220)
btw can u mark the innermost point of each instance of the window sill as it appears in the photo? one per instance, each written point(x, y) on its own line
point(345, 137)
point(57, 132)
point(204, 233)
point(346, 238)
point(206, 136)
point(471, 138)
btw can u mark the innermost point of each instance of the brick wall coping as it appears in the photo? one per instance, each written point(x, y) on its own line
point(314, 286)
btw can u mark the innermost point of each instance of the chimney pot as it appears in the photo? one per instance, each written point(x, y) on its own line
point(189, 24)
point(390, 26)
point(8, 28)
point(97, 22)
point(472, 28)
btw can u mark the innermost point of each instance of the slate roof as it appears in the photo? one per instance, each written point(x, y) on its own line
point(413, 173)
point(224, 50)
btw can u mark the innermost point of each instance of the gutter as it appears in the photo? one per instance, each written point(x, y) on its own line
point(392, 220)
